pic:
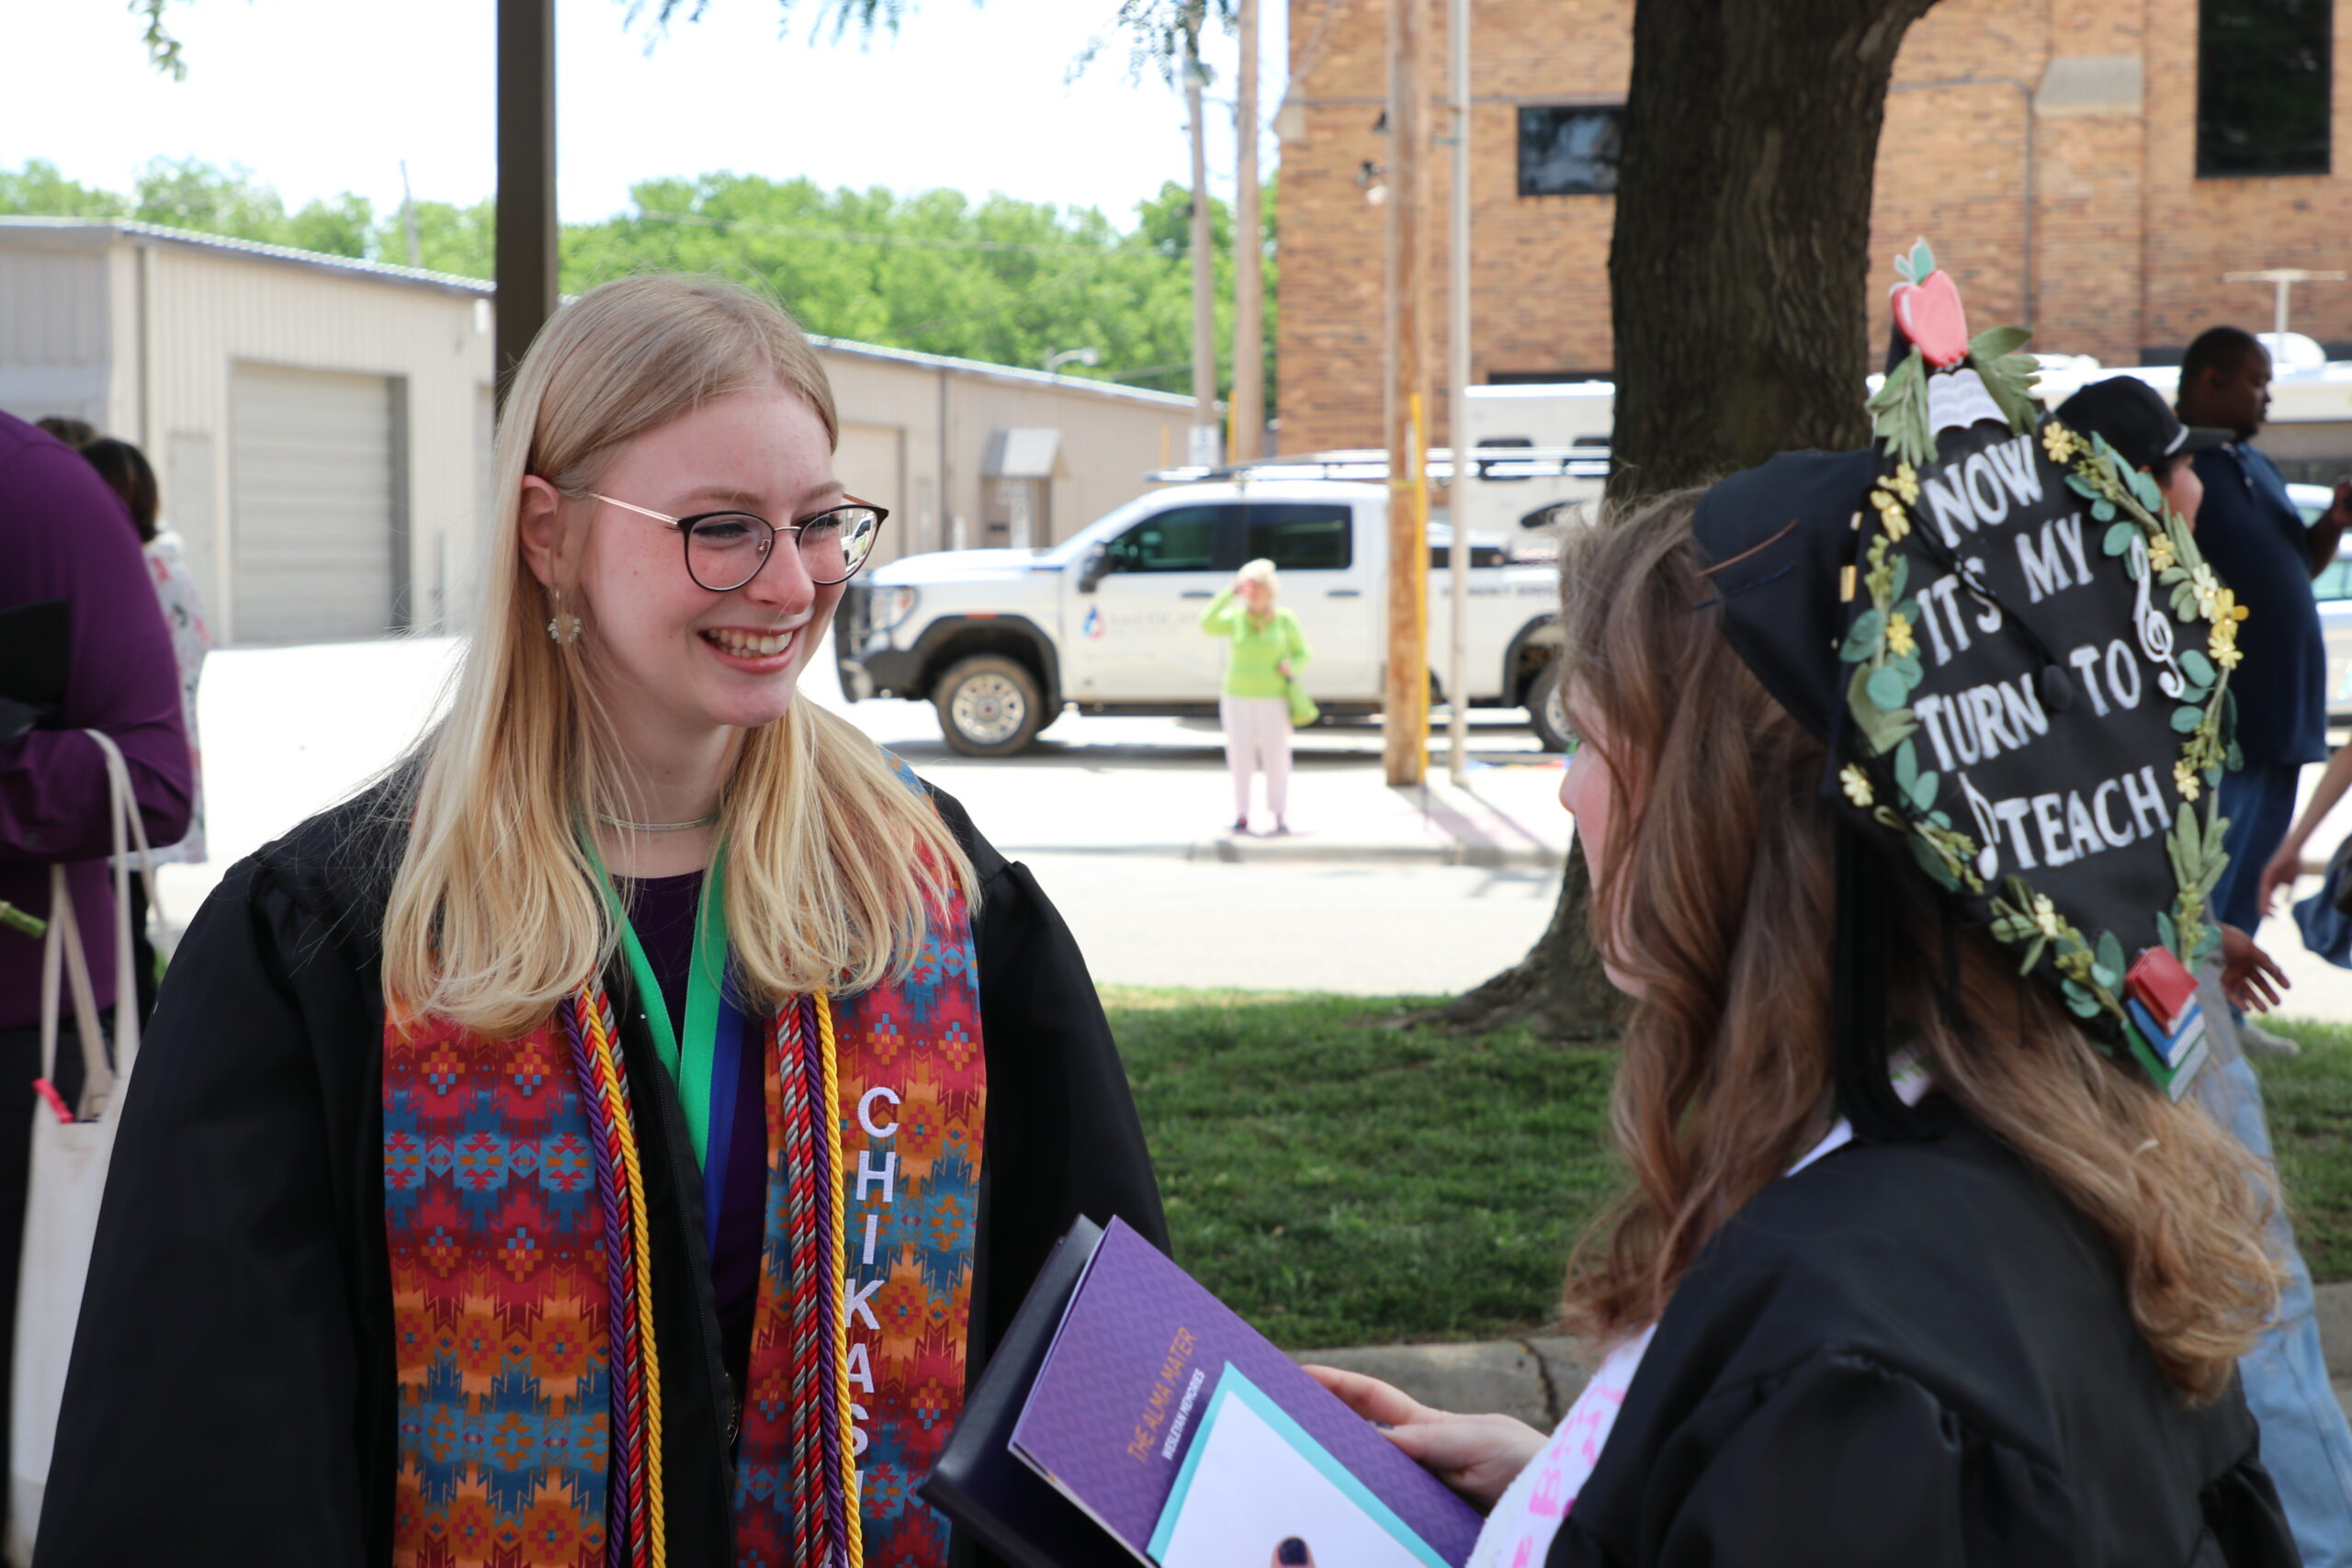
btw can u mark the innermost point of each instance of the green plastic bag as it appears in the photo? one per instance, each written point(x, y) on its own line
point(1302, 711)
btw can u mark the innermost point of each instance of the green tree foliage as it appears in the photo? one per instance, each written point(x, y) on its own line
point(999, 280)
point(39, 188)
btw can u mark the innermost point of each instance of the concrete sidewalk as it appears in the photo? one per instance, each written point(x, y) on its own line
point(1536, 1379)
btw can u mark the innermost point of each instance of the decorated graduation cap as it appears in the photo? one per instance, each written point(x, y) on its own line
point(2020, 664)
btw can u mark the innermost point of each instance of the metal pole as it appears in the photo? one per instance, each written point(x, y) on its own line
point(1406, 709)
point(1248, 314)
point(2278, 323)
point(1457, 411)
point(529, 256)
point(1203, 255)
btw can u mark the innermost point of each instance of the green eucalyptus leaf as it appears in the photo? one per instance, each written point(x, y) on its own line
point(2168, 933)
point(2197, 666)
point(1863, 638)
point(2104, 511)
point(1933, 864)
point(1888, 689)
point(1895, 579)
point(1922, 791)
point(2081, 486)
point(2143, 487)
point(2080, 1001)
point(1913, 670)
point(2187, 719)
point(2119, 537)
point(2208, 944)
point(2236, 758)
point(1998, 343)
point(1906, 765)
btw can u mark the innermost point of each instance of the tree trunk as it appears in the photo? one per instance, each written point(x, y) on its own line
point(1740, 266)
point(1738, 277)
point(1558, 989)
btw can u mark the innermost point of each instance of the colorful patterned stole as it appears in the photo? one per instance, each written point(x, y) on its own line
point(529, 1389)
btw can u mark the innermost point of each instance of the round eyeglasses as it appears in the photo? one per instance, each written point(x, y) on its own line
point(727, 550)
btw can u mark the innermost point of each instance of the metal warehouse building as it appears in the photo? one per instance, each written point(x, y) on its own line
point(321, 426)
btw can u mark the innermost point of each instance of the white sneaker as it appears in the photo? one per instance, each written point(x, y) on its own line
point(2259, 1042)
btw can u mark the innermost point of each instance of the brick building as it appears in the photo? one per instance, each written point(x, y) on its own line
point(2052, 150)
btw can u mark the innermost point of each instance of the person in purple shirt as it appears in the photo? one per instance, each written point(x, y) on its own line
point(64, 534)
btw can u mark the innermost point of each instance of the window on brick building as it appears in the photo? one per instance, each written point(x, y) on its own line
point(2264, 70)
point(1566, 151)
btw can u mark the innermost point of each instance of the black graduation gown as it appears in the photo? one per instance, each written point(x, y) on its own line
point(1917, 1356)
point(230, 1399)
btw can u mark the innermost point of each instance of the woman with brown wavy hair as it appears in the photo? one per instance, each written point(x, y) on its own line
point(1915, 1265)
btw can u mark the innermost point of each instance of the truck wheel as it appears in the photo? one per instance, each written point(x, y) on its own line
point(987, 705)
point(1545, 716)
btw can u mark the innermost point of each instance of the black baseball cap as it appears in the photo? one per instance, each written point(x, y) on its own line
point(2136, 422)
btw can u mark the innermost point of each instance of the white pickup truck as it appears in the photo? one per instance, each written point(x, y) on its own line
point(1001, 641)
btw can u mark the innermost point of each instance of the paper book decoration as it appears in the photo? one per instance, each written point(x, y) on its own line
point(2038, 663)
point(2160, 983)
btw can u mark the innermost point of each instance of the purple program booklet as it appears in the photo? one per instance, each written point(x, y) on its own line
point(1147, 1360)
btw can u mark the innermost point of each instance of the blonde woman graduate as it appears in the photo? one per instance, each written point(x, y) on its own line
point(619, 1137)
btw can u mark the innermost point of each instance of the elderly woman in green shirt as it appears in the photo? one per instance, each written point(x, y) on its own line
point(1269, 651)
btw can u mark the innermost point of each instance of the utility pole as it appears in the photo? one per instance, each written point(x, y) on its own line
point(1248, 259)
point(1406, 722)
point(1457, 403)
point(1205, 442)
point(528, 259)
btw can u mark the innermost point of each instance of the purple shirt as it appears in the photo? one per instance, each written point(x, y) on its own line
point(662, 908)
point(64, 534)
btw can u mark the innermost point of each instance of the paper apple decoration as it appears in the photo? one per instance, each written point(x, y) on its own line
point(1926, 307)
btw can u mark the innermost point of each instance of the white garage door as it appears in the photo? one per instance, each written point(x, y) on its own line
point(867, 462)
point(314, 504)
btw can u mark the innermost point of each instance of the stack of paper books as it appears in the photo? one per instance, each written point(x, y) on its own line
point(2168, 1027)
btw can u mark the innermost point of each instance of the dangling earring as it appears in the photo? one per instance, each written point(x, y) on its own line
point(563, 626)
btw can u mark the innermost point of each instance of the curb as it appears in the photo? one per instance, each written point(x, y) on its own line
point(1536, 1379)
point(1236, 852)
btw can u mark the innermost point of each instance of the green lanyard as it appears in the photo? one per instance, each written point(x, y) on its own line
point(691, 1068)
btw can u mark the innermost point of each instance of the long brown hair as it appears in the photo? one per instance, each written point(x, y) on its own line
point(1717, 900)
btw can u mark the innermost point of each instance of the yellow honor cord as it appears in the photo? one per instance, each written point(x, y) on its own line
point(838, 1264)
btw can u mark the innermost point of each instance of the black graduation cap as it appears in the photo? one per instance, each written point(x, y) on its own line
point(2020, 665)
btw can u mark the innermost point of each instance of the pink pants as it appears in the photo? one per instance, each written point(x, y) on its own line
point(1257, 734)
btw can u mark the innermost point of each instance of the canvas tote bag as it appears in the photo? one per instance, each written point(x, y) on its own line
point(69, 1162)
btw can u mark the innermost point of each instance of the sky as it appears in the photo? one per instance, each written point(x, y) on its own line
point(321, 96)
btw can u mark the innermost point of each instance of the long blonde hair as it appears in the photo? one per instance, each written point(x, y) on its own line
point(833, 861)
point(1717, 898)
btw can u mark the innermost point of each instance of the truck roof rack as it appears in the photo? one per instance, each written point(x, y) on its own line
point(1370, 464)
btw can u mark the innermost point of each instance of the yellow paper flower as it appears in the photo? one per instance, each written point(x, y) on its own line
point(1905, 483)
point(2226, 655)
point(2160, 556)
point(2058, 441)
point(1891, 514)
point(2184, 779)
point(1858, 784)
point(2207, 589)
point(2226, 611)
point(1899, 641)
point(2046, 915)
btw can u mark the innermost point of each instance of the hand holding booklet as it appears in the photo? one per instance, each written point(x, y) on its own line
point(1131, 1414)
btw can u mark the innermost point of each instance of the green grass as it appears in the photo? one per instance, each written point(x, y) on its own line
point(2309, 1099)
point(1339, 1180)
